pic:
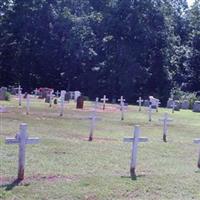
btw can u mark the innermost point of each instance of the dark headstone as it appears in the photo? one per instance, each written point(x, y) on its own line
point(177, 105)
point(80, 102)
point(47, 99)
point(67, 96)
point(55, 101)
point(25, 95)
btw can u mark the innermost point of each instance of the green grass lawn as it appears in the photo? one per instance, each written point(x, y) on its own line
point(66, 166)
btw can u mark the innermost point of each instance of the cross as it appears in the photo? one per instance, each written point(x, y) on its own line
point(93, 119)
point(121, 100)
point(135, 140)
point(150, 112)
point(36, 92)
point(22, 139)
point(62, 101)
point(157, 102)
point(104, 99)
point(197, 141)
point(27, 104)
point(57, 93)
point(165, 121)
point(50, 98)
point(20, 95)
point(140, 103)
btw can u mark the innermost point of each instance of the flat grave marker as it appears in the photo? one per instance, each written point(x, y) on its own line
point(22, 139)
point(135, 140)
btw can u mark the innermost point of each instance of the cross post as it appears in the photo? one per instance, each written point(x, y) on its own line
point(197, 141)
point(62, 101)
point(104, 99)
point(93, 119)
point(22, 139)
point(140, 100)
point(173, 106)
point(135, 140)
point(165, 121)
point(121, 100)
point(27, 104)
point(20, 95)
point(150, 111)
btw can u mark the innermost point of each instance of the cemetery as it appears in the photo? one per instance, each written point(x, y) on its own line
point(63, 152)
point(100, 100)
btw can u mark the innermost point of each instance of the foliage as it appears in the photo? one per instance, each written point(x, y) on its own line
point(7, 96)
point(114, 47)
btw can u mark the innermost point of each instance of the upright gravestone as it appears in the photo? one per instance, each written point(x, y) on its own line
point(170, 103)
point(185, 104)
point(135, 140)
point(139, 101)
point(93, 119)
point(104, 99)
point(196, 106)
point(50, 98)
point(122, 100)
point(197, 141)
point(150, 111)
point(177, 105)
point(80, 102)
point(165, 121)
point(62, 101)
point(146, 103)
point(22, 139)
point(3, 91)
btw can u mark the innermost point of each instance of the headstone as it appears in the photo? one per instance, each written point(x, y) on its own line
point(93, 119)
point(3, 91)
point(177, 105)
point(57, 94)
point(67, 96)
point(104, 99)
point(165, 121)
point(196, 106)
point(36, 92)
point(55, 101)
point(170, 103)
point(76, 95)
point(122, 100)
point(146, 103)
point(44, 92)
point(22, 139)
point(197, 141)
point(185, 104)
point(154, 103)
point(150, 111)
point(135, 140)
point(80, 102)
point(25, 95)
point(50, 98)
point(140, 100)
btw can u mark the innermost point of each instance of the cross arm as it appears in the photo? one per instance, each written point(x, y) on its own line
point(197, 141)
point(12, 140)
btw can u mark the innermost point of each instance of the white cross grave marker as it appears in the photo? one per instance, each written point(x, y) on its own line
point(20, 95)
point(150, 111)
point(165, 121)
point(135, 140)
point(57, 93)
point(27, 104)
point(121, 100)
point(197, 141)
point(22, 139)
point(104, 99)
point(62, 101)
point(140, 100)
point(93, 119)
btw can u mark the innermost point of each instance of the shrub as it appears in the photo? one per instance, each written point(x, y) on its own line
point(7, 96)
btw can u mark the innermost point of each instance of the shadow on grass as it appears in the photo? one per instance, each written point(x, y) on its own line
point(10, 186)
point(133, 178)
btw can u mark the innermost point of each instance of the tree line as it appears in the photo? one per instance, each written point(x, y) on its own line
point(114, 47)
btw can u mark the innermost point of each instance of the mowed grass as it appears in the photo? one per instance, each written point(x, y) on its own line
point(66, 166)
